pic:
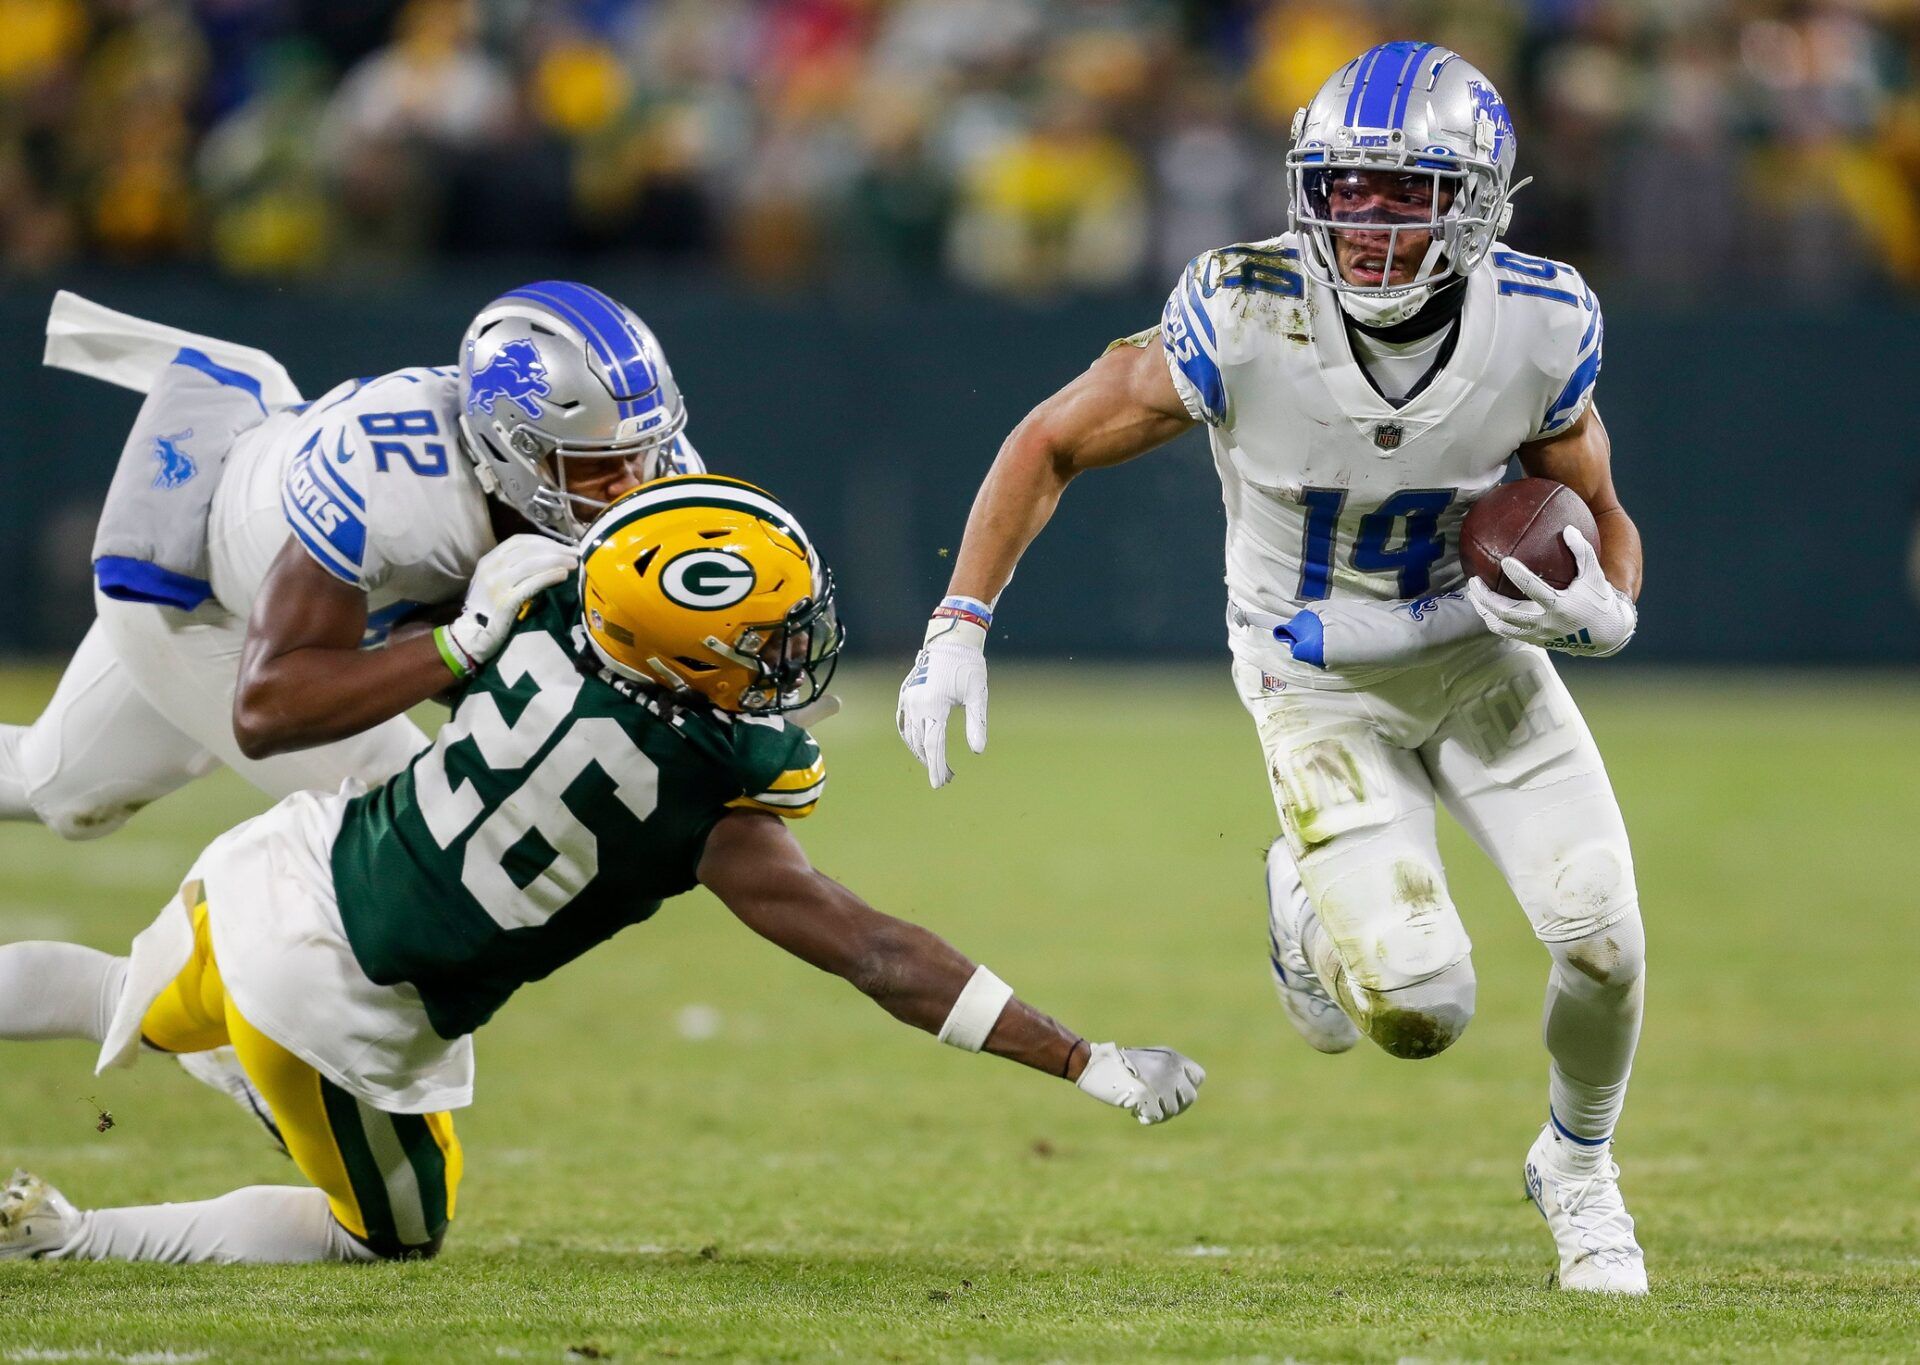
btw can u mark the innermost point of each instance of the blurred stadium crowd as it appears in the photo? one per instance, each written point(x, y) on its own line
point(1686, 146)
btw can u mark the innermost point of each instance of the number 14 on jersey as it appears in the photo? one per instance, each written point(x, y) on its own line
point(1401, 536)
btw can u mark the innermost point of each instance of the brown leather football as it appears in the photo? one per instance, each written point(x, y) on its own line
point(1524, 519)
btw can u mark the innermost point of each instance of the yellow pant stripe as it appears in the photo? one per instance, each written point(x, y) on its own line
point(386, 1183)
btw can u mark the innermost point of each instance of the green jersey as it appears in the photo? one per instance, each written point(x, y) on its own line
point(558, 805)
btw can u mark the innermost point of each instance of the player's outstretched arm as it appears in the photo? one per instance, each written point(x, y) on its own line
point(759, 871)
point(304, 680)
point(1121, 407)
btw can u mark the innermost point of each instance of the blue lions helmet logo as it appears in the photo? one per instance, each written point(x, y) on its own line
point(1486, 100)
point(516, 372)
point(176, 466)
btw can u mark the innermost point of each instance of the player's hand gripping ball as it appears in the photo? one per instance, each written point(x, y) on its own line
point(1525, 519)
point(1537, 577)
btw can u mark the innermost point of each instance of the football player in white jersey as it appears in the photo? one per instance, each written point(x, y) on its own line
point(1363, 379)
point(332, 522)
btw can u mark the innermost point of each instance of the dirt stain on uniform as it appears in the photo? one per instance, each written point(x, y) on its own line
point(1409, 1034)
point(1596, 961)
point(1318, 778)
point(109, 816)
point(1415, 886)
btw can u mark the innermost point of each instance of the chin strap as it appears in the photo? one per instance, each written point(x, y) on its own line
point(1506, 207)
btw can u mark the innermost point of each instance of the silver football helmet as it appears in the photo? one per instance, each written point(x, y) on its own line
point(557, 372)
point(1404, 108)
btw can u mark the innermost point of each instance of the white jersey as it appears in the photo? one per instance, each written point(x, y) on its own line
point(369, 478)
point(1330, 489)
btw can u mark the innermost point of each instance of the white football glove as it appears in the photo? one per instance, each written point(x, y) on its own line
point(1589, 616)
point(505, 578)
point(1151, 1083)
point(950, 671)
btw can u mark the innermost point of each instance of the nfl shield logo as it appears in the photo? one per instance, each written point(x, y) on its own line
point(1387, 435)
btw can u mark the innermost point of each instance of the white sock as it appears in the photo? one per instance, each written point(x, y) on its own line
point(1596, 994)
point(58, 990)
point(13, 779)
point(262, 1225)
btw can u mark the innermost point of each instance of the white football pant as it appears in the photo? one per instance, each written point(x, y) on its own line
point(1490, 730)
point(146, 706)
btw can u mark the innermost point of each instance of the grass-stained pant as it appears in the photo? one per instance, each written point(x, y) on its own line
point(1491, 731)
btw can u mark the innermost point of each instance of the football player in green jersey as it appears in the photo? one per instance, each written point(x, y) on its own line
point(629, 741)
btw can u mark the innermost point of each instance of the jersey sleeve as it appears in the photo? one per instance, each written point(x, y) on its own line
point(1574, 341)
point(1190, 338)
point(380, 495)
point(779, 767)
point(325, 502)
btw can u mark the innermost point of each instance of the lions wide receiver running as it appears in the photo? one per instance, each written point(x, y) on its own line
point(628, 742)
point(252, 547)
point(1363, 379)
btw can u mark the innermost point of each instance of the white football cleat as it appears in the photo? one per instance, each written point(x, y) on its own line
point(220, 1069)
point(1579, 1196)
point(1315, 1015)
point(35, 1218)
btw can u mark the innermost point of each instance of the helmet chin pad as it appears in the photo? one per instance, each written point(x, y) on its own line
point(1385, 310)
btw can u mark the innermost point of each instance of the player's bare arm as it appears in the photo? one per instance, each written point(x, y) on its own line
point(1121, 407)
point(1581, 457)
point(305, 680)
point(758, 869)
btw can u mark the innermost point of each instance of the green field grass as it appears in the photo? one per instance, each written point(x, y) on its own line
point(812, 1179)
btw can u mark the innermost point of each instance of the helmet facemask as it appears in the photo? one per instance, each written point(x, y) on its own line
point(793, 658)
point(528, 470)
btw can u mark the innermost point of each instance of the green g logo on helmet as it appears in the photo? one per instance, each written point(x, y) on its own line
point(707, 580)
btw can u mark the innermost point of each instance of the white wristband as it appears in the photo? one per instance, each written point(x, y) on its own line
point(976, 1011)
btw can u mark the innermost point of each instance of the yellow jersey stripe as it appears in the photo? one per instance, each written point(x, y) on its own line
point(802, 797)
point(799, 779)
point(784, 812)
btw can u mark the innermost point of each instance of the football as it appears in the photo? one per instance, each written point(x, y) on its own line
point(1524, 519)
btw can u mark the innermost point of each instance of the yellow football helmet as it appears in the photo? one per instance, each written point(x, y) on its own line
point(705, 585)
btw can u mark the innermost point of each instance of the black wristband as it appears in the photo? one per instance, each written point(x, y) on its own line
point(1072, 1048)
